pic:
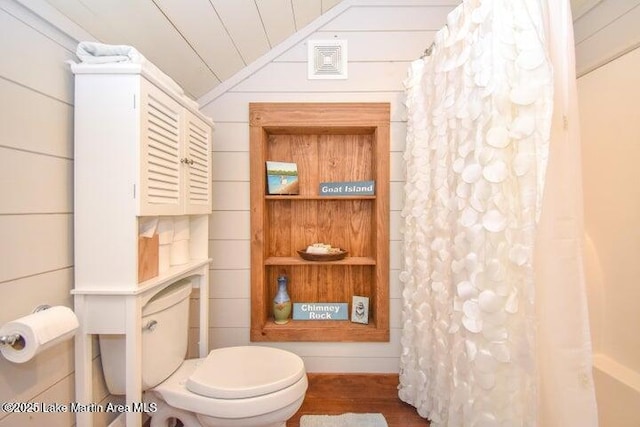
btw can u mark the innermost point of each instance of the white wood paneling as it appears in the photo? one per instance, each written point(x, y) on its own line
point(229, 225)
point(398, 135)
point(328, 4)
point(230, 312)
point(395, 223)
point(20, 297)
point(277, 17)
point(54, 119)
point(21, 382)
point(48, 21)
point(292, 77)
point(60, 393)
point(36, 151)
point(369, 45)
point(34, 243)
point(343, 349)
point(231, 166)
point(396, 195)
point(201, 26)
point(390, 18)
point(231, 136)
point(580, 7)
point(397, 166)
point(598, 15)
point(230, 284)
point(306, 11)
point(611, 41)
point(33, 60)
point(243, 23)
point(230, 254)
point(395, 311)
point(34, 183)
point(228, 337)
point(230, 196)
point(395, 286)
point(234, 106)
point(370, 365)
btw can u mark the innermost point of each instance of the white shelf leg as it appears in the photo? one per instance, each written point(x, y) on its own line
point(83, 368)
point(203, 345)
point(133, 360)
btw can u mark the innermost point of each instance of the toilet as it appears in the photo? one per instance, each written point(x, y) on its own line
point(244, 386)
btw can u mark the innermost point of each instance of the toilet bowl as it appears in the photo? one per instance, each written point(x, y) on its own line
point(244, 386)
point(235, 386)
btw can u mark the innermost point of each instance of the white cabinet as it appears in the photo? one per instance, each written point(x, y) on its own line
point(141, 149)
point(175, 156)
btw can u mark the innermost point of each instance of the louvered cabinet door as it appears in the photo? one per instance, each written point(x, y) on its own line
point(197, 165)
point(161, 159)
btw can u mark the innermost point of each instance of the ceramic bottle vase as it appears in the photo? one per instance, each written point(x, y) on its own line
point(282, 302)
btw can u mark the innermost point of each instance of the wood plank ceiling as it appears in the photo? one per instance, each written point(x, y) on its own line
point(199, 43)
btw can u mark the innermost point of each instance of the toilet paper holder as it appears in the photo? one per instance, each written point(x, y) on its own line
point(16, 340)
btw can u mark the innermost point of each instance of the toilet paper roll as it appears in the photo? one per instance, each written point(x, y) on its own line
point(164, 257)
point(165, 230)
point(179, 252)
point(147, 226)
point(39, 331)
point(181, 228)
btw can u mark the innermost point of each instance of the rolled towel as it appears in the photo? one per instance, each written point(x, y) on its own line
point(100, 53)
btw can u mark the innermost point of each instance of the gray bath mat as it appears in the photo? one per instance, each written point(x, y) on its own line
point(344, 420)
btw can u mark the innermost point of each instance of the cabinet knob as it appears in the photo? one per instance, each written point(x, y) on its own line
point(151, 325)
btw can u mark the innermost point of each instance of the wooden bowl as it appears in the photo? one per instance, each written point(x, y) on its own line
point(323, 257)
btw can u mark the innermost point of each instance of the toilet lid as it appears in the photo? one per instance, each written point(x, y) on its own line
point(242, 372)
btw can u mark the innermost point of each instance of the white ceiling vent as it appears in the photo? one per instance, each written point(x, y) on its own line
point(327, 59)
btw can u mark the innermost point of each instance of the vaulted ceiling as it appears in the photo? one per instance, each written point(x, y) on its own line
point(199, 43)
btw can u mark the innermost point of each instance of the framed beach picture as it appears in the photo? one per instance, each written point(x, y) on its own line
point(282, 178)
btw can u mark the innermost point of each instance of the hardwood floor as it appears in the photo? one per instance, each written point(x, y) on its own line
point(333, 394)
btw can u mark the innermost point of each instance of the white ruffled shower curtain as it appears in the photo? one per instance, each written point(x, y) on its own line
point(495, 328)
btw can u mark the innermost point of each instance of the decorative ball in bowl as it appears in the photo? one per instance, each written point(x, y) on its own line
point(322, 252)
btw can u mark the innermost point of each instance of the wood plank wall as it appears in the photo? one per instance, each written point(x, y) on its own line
point(603, 31)
point(36, 205)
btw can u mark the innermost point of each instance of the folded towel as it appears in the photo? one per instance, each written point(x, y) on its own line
point(100, 53)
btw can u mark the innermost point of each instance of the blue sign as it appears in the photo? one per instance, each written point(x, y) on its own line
point(320, 311)
point(348, 188)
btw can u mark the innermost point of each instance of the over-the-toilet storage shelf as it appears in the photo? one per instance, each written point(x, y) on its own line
point(142, 149)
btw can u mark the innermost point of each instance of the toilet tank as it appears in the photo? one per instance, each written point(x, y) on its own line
point(165, 327)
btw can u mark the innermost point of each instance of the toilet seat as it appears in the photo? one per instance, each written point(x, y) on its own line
point(254, 366)
point(241, 372)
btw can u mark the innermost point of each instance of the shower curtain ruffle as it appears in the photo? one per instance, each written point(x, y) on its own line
point(479, 114)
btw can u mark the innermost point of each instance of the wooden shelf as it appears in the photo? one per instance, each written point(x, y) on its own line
point(313, 197)
point(319, 330)
point(174, 274)
point(353, 260)
point(341, 142)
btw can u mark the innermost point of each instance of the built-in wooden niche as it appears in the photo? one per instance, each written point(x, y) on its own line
point(329, 142)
